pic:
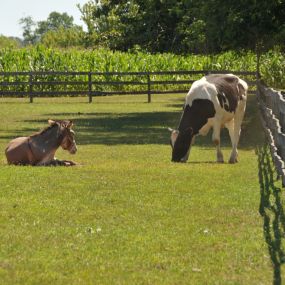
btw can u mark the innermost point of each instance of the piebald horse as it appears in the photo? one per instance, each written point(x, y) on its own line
point(215, 101)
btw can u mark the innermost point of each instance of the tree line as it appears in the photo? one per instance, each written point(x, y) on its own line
point(177, 26)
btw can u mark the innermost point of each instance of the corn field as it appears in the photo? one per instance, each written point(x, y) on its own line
point(45, 59)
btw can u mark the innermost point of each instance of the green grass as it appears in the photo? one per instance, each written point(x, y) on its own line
point(127, 215)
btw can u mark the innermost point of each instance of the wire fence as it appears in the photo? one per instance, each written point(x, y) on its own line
point(272, 113)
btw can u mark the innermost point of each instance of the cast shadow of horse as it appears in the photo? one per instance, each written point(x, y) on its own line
point(272, 211)
point(147, 127)
point(137, 128)
point(120, 128)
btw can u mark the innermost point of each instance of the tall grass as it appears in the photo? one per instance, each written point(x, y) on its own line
point(45, 59)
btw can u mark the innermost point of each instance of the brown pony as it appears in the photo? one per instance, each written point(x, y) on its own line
point(39, 148)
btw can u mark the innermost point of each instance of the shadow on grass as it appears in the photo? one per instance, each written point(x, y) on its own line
point(120, 128)
point(202, 162)
point(111, 128)
point(272, 211)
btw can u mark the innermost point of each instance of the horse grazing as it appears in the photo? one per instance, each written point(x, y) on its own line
point(39, 148)
point(215, 101)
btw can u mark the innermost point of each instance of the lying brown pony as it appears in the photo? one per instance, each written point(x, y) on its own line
point(40, 148)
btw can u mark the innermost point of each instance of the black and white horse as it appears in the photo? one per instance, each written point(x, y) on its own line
point(215, 101)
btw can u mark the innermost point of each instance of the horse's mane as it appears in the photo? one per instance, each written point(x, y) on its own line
point(43, 131)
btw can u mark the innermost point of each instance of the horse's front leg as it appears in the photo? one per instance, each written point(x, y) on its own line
point(63, 162)
point(57, 162)
point(52, 162)
point(68, 162)
point(49, 161)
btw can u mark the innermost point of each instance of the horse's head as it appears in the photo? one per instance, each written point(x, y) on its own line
point(66, 134)
point(180, 143)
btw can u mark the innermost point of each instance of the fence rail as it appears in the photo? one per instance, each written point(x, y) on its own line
point(60, 83)
point(272, 113)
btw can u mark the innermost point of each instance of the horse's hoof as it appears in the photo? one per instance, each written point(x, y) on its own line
point(68, 163)
point(232, 161)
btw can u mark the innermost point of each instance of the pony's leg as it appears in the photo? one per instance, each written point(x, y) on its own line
point(47, 163)
point(55, 162)
point(68, 162)
point(58, 162)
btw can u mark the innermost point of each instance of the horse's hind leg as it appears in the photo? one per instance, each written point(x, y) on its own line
point(217, 140)
point(236, 129)
point(234, 153)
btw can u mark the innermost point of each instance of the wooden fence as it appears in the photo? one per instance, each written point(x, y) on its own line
point(54, 83)
point(272, 113)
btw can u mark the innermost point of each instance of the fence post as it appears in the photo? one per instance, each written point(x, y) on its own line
point(31, 87)
point(148, 89)
point(90, 87)
point(258, 54)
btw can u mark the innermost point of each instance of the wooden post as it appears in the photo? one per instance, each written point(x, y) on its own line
point(258, 64)
point(148, 89)
point(258, 50)
point(90, 87)
point(31, 87)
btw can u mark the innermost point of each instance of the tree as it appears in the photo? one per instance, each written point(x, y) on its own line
point(154, 25)
point(109, 23)
point(185, 25)
point(179, 26)
point(9, 42)
point(58, 30)
point(54, 21)
point(243, 24)
point(123, 24)
point(28, 30)
point(64, 38)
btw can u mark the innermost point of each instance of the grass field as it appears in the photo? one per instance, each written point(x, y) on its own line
point(127, 215)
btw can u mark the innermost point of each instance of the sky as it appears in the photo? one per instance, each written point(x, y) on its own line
point(11, 11)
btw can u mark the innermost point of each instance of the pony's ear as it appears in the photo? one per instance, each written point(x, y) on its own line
point(51, 122)
point(66, 124)
point(70, 124)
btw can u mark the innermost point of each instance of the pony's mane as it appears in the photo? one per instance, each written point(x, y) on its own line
point(43, 130)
